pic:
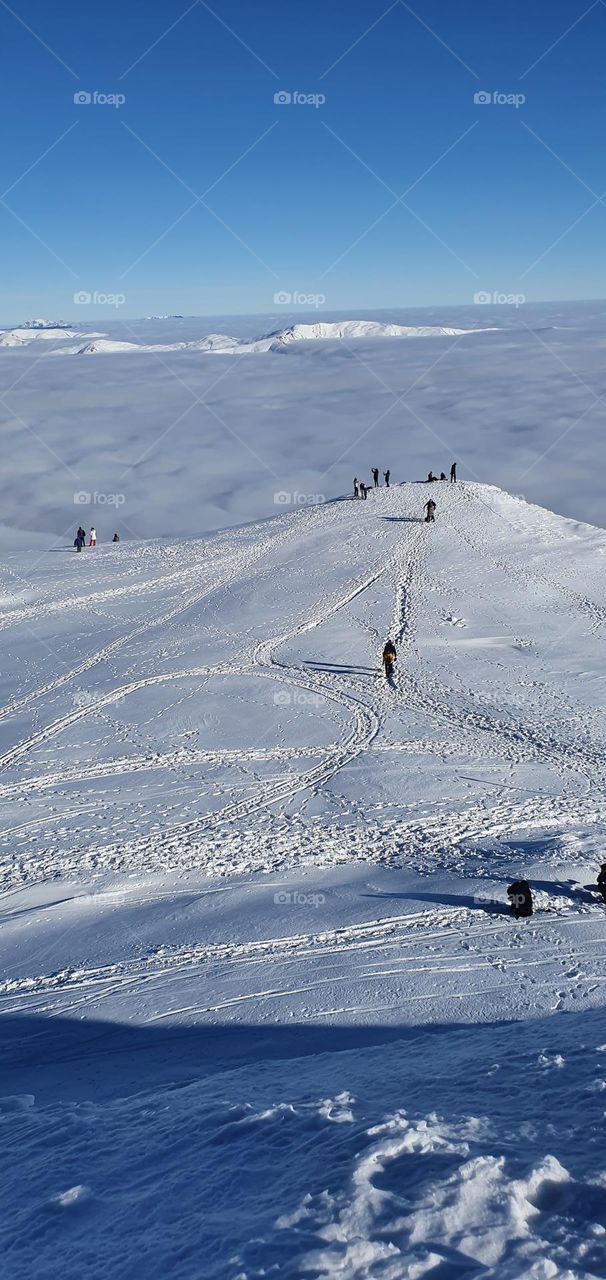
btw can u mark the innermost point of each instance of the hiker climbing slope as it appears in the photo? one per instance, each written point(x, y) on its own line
point(389, 657)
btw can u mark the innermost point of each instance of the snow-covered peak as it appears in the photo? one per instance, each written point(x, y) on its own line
point(22, 337)
point(44, 324)
point(339, 330)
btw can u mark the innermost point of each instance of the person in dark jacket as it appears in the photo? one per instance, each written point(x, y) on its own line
point(430, 477)
point(375, 476)
point(364, 489)
point(602, 881)
point(386, 475)
point(389, 657)
point(520, 899)
point(442, 475)
point(116, 537)
point(429, 508)
point(356, 490)
point(453, 473)
point(80, 539)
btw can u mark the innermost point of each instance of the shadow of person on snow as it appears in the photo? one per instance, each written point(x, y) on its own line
point(477, 903)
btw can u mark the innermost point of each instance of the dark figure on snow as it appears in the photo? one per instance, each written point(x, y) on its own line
point(356, 490)
point(430, 478)
point(602, 881)
point(453, 473)
point(116, 537)
point(442, 475)
point(375, 476)
point(389, 657)
point(429, 509)
point(520, 899)
point(386, 475)
point(364, 489)
point(80, 539)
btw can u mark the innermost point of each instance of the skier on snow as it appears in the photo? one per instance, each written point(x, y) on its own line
point(429, 508)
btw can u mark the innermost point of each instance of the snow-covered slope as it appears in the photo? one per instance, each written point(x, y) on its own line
point(37, 332)
point(263, 1009)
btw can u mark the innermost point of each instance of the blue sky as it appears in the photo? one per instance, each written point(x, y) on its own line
point(296, 196)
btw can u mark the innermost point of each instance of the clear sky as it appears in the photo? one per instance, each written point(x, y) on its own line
point(199, 194)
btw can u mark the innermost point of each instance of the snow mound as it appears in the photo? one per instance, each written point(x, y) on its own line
point(23, 337)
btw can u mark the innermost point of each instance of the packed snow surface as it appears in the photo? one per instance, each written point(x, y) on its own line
point(264, 1011)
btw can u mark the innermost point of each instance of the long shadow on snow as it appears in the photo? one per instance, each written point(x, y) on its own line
point(59, 1058)
point(404, 519)
point(448, 900)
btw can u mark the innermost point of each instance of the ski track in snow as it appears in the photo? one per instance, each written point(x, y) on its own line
point(364, 703)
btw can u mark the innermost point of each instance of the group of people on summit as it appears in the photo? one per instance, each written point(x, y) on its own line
point(361, 490)
point(442, 475)
point(80, 538)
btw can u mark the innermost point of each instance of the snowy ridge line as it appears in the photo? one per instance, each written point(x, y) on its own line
point(277, 340)
point(595, 612)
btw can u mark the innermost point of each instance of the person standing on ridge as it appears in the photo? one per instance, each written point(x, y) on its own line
point(375, 476)
point(80, 539)
point(429, 508)
point(356, 490)
point(386, 475)
point(92, 541)
point(364, 489)
point(389, 657)
point(453, 473)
